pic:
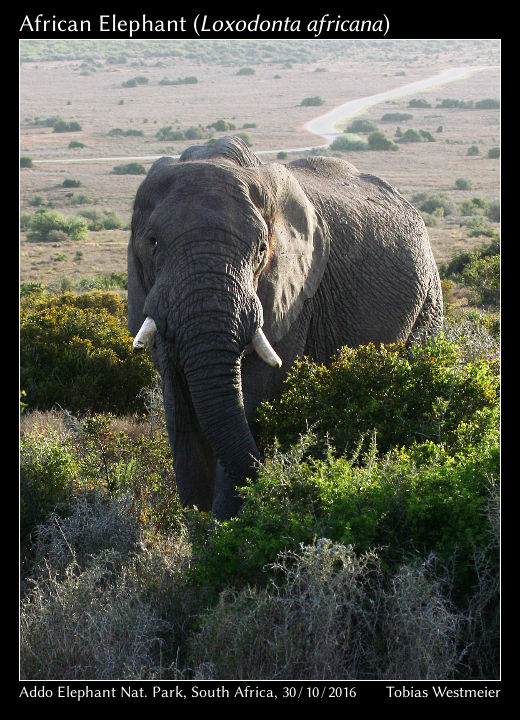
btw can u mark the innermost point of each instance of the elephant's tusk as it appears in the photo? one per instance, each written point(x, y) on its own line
point(263, 347)
point(145, 334)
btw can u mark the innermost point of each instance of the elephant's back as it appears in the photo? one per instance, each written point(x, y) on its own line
point(337, 180)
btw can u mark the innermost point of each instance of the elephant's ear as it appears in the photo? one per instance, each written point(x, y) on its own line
point(136, 292)
point(299, 249)
point(229, 147)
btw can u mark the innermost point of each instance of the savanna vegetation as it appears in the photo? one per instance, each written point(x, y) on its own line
point(368, 547)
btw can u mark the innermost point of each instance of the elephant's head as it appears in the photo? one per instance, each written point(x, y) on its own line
point(223, 253)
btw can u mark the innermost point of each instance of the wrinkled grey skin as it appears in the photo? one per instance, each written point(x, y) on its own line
point(315, 252)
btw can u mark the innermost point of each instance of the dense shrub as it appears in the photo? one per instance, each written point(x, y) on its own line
point(405, 395)
point(48, 471)
point(415, 136)
point(487, 104)
point(61, 126)
point(26, 161)
point(188, 80)
point(361, 126)
point(168, 133)
point(314, 100)
point(419, 103)
point(101, 219)
point(452, 103)
point(76, 352)
point(408, 503)
point(472, 150)
point(378, 141)
point(479, 270)
point(345, 142)
point(463, 184)
point(52, 226)
point(133, 168)
point(246, 71)
point(494, 152)
point(396, 117)
point(135, 81)
point(131, 132)
point(224, 126)
point(70, 182)
point(430, 202)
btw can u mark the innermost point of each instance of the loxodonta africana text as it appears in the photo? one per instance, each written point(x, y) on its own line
point(236, 267)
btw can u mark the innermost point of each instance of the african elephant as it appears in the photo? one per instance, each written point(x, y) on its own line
point(237, 267)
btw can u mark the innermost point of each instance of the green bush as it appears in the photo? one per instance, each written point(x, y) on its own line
point(396, 117)
point(479, 270)
point(70, 182)
point(76, 352)
point(222, 126)
point(482, 275)
point(133, 168)
point(416, 136)
point(195, 133)
point(246, 71)
point(48, 471)
point(463, 184)
point(361, 126)
point(101, 220)
point(311, 101)
point(49, 226)
point(61, 126)
point(472, 150)
point(378, 141)
point(406, 395)
point(419, 103)
point(168, 133)
point(133, 82)
point(430, 202)
point(75, 144)
point(408, 503)
point(494, 152)
point(452, 103)
point(347, 142)
point(188, 80)
point(411, 136)
point(487, 104)
point(26, 162)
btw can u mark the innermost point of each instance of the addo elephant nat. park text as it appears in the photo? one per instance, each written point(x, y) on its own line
point(202, 25)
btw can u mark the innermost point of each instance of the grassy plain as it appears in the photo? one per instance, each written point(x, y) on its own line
point(82, 81)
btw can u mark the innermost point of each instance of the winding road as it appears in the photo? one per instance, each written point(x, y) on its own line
point(324, 126)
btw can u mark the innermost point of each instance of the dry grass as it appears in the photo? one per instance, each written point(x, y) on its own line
point(334, 616)
point(99, 613)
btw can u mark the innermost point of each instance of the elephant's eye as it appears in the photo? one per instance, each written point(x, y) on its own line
point(153, 244)
point(262, 249)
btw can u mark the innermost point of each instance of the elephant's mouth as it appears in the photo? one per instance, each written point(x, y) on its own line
point(259, 343)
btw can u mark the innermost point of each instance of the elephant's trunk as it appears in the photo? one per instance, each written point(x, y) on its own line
point(216, 393)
